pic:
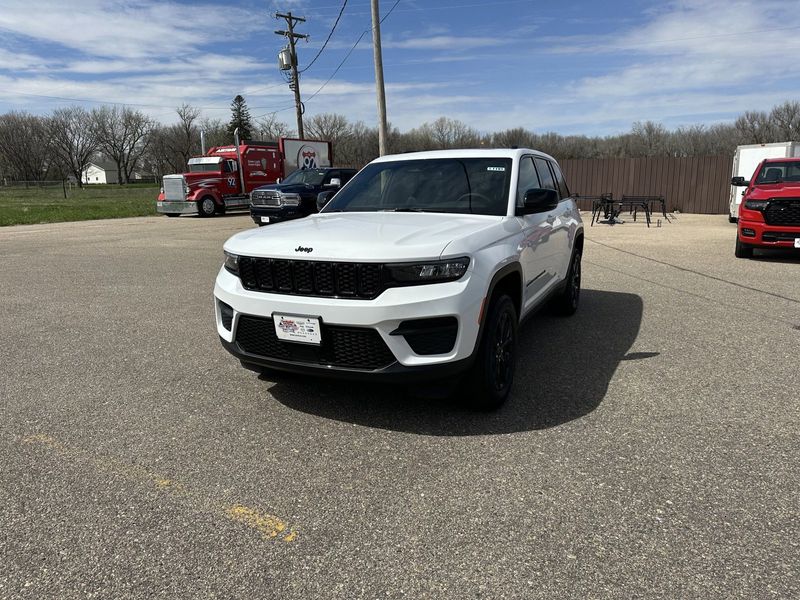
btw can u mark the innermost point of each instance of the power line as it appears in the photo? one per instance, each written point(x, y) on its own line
point(365, 32)
point(344, 4)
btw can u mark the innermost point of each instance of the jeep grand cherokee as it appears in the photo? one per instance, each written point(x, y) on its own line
point(421, 267)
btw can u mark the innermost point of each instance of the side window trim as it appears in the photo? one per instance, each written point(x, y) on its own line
point(538, 161)
point(559, 178)
point(520, 192)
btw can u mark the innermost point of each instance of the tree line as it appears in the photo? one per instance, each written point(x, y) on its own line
point(38, 148)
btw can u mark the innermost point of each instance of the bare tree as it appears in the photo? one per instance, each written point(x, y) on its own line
point(123, 134)
point(25, 149)
point(755, 127)
point(185, 136)
point(171, 147)
point(360, 145)
point(270, 128)
point(74, 139)
point(452, 133)
point(785, 119)
point(518, 136)
point(327, 126)
point(215, 133)
point(649, 139)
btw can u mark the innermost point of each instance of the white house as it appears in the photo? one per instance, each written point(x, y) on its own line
point(99, 172)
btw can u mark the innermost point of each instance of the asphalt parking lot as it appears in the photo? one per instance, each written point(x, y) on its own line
point(650, 448)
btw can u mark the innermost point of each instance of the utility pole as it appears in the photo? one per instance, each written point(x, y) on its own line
point(294, 85)
point(381, 92)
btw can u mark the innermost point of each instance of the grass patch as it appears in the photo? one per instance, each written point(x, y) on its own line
point(20, 205)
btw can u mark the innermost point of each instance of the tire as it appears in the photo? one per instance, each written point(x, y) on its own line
point(566, 302)
point(743, 250)
point(206, 207)
point(173, 214)
point(732, 219)
point(490, 381)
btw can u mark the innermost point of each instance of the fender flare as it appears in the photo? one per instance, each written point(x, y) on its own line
point(504, 271)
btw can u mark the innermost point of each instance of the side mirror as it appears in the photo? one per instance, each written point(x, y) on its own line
point(538, 200)
point(739, 181)
point(278, 180)
point(323, 198)
point(334, 182)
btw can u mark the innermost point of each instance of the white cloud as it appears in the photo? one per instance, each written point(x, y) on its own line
point(442, 42)
point(111, 29)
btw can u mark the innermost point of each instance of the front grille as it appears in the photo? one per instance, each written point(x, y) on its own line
point(347, 347)
point(312, 278)
point(780, 236)
point(265, 198)
point(173, 188)
point(783, 211)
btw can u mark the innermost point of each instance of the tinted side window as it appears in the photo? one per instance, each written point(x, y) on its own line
point(562, 184)
point(527, 178)
point(347, 176)
point(545, 176)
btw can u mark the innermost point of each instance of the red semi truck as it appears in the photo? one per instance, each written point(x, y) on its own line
point(223, 178)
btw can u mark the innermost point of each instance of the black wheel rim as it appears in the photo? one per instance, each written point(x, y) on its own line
point(503, 353)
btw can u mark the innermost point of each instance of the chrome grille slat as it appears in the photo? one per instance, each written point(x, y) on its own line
point(173, 188)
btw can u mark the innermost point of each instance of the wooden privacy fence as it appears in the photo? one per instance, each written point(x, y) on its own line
point(698, 184)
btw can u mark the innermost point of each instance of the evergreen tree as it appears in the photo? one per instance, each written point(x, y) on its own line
point(240, 117)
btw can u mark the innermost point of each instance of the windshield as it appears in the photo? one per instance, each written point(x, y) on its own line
point(449, 185)
point(307, 176)
point(204, 168)
point(776, 172)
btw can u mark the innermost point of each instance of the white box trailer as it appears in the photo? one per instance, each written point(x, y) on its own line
point(747, 158)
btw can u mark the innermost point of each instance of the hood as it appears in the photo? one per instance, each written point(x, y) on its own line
point(374, 237)
point(290, 188)
point(788, 189)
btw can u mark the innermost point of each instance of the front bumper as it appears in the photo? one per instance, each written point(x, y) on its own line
point(460, 300)
point(758, 233)
point(176, 207)
point(275, 214)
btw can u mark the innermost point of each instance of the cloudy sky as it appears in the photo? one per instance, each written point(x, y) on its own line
point(577, 66)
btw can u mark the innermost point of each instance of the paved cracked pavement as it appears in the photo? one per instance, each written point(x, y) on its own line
point(649, 449)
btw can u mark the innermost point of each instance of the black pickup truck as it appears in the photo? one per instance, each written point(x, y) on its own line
point(295, 196)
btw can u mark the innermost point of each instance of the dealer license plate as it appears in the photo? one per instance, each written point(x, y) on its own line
point(297, 329)
point(265, 219)
point(797, 242)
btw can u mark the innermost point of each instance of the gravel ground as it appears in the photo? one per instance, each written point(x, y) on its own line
point(649, 448)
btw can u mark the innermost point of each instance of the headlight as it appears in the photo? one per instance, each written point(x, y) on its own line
point(428, 272)
point(756, 204)
point(232, 263)
point(290, 199)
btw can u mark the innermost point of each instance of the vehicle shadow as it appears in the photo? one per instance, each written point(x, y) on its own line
point(563, 372)
point(782, 255)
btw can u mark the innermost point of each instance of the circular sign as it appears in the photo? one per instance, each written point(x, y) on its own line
point(307, 157)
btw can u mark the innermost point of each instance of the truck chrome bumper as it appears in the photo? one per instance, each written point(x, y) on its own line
point(176, 207)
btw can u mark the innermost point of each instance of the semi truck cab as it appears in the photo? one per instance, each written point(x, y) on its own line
point(214, 183)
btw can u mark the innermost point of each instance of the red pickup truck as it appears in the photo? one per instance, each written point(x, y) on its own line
point(769, 215)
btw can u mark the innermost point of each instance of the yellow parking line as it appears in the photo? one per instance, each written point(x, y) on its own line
point(269, 526)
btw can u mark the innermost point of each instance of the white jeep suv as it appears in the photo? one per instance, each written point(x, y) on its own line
point(420, 268)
